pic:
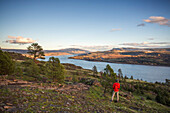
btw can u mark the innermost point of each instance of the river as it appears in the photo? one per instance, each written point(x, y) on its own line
point(144, 72)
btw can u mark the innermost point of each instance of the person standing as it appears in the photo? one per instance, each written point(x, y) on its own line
point(116, 87)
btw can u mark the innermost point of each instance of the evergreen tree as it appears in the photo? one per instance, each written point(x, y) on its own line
point(94, 71)
point(120, 75)
point(108, 78)
point(36, 50)
point(55, 69)
point(7, 65)
point(126, 77)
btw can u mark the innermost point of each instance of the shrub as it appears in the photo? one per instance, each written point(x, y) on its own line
point(18, 71)
point(55, 70)
point(6, 64)
point(74, 79)
point(31, 68)
point(149, 97)
point(163, 99)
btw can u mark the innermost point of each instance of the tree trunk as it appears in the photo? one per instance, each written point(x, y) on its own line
point(104, 91)
point(34, 59)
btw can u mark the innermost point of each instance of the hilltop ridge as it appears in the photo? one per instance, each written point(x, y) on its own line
point(66, 51)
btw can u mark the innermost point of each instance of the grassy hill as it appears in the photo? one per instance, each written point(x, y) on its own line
point(33, 99)
point(81, 91)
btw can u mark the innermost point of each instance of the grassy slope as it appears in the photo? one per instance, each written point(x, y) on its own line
point(27, 99)
point(34, 99)
point(14, 98)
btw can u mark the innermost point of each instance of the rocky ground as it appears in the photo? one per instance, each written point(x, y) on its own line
point(23, 96)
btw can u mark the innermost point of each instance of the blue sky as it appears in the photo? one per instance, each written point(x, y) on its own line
point(86, 24)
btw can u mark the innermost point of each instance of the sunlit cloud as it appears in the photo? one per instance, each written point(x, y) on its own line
point(95, 47)
point(115, 30)
point(19, 40)
point(140, 25)
point(158, 20)
point(147, 44)
point(159, 43)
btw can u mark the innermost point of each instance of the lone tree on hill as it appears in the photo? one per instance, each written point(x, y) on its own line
point(94, 71)
point(36, 50)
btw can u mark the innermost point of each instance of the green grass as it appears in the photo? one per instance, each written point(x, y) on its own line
point(27, 99)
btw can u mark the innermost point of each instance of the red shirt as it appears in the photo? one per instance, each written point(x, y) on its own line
point(116, 87)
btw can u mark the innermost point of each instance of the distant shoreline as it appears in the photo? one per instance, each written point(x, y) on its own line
point(117, 62)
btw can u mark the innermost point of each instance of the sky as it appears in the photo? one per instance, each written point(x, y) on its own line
point(94, 25)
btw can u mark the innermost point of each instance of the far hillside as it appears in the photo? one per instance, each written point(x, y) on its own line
point(67, 51)
point(147, 56)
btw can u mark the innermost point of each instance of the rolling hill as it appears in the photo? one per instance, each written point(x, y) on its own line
point(66, 51)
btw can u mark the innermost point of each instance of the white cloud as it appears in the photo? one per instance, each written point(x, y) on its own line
point(159, 43)
point(159, 20)
point(95, 47)
point(115, 30)
point(19, 40)
point(147, 44)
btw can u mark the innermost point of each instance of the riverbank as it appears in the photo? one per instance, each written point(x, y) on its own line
point(104, 60)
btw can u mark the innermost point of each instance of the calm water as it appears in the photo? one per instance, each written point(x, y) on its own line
point(144, 72)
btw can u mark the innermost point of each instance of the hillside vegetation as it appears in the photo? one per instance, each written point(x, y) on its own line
point(34, 87)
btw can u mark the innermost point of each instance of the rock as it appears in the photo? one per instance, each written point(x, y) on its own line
point(97, 83)
point(127, 95)
point(15, 80)
point(135, 108)
point(22, 82)
point(8, 107)
point(9, 104)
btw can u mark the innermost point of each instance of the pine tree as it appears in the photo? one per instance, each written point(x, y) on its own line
point(94, 71)
point(120, 75)
point(108, 78)
point(36, 50)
